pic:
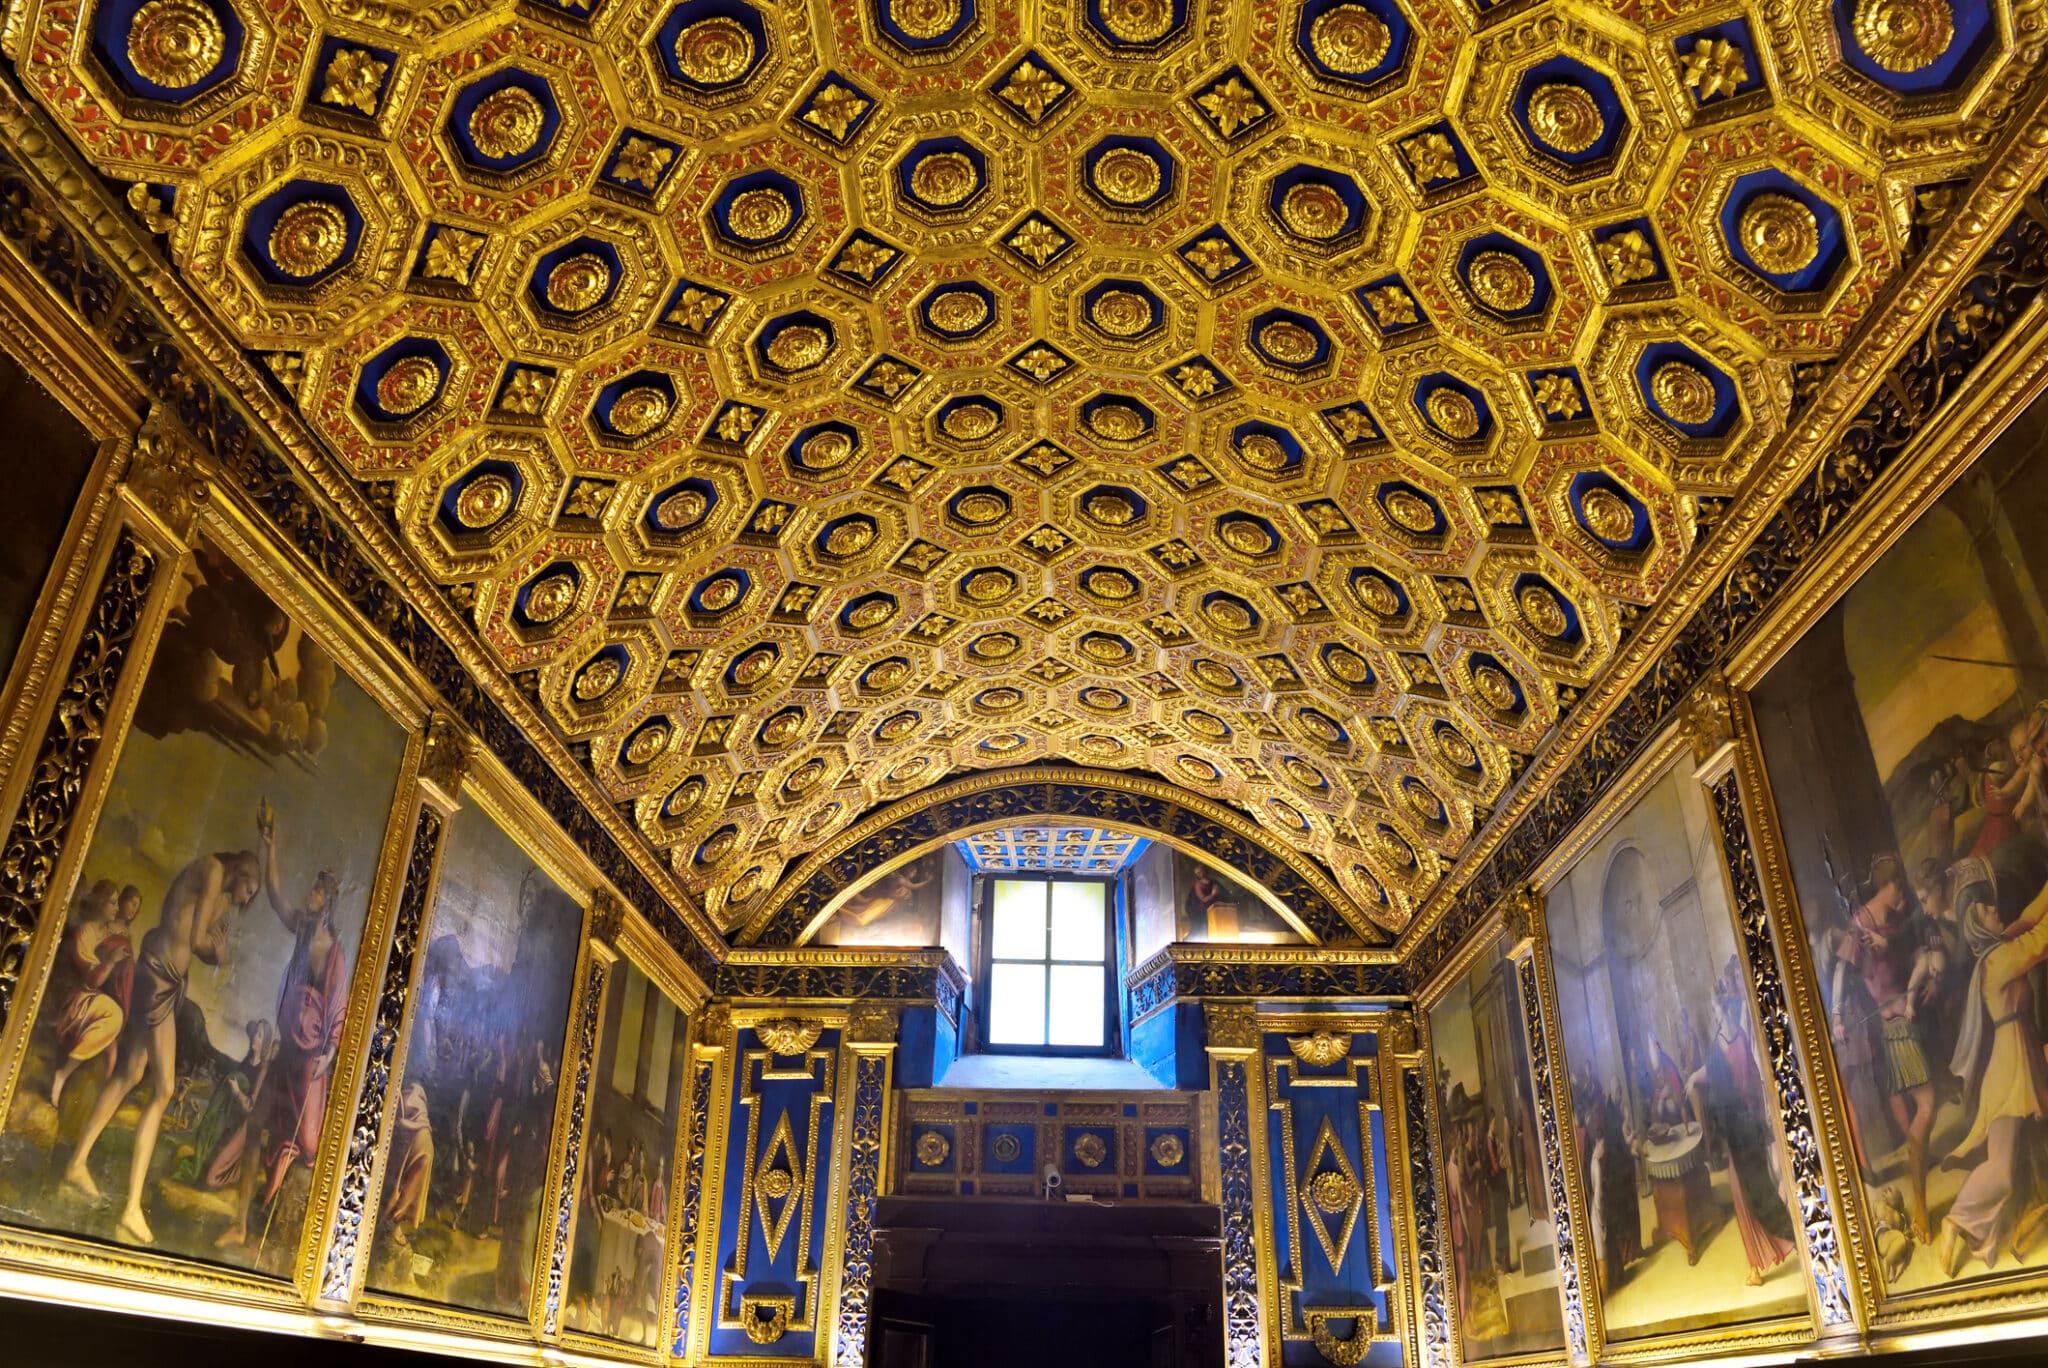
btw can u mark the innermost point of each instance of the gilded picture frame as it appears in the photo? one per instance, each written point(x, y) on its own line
point(1947, 447)
point(1492, 935)
point(495, 796)
point(1670, 758)
point(635, 943)
point(78, 1268)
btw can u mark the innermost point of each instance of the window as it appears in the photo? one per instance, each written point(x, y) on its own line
point(1048, 966)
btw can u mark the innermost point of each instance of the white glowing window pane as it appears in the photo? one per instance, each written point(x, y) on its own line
point(1076, 1004)
point(1018, 930)
point(1077, 922)
point(1016, 1004)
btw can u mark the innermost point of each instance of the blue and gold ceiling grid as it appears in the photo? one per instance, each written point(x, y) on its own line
point(1099, 851)
point(1298, 399)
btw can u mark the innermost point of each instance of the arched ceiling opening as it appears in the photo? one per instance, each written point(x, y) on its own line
point(808, 402)
point(1296, 886)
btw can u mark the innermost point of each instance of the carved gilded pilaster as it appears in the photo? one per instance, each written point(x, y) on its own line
point(71, 741)
point(1233, 1045)
point(871, 1040)
point(1528, 946)
point(575, 1111)
point(443, 762)
point(170, 475)
point(342, 1268)
point(1839, 1298)
point(710, 1046)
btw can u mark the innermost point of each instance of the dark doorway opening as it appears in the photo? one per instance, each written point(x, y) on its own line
point(986, 1332)
point(961, 1283)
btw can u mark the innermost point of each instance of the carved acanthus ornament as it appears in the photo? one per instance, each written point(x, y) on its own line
point(1708, 718)
point(1232, 1025)
point(1397, 1034)
point(444, 762)
point(1521, 920)
point(871, 1024)
point(607, 917)
point(169, 474)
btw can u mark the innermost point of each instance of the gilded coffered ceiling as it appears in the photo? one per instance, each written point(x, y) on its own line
point(1297, 399)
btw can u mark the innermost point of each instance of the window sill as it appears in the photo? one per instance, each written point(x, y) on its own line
point(1048, 1071)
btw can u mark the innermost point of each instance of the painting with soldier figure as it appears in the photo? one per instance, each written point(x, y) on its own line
point(460, 1220)
point(1691, 1219)
point(615, 1267)
point(175, 1084)
point(1503, 1243)
point(1906, 740)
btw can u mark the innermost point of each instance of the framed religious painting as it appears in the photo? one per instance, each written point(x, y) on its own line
point(627, 1185)
point(181, 1055)
point(463, 1216)
point(1691, 1230)
point(1904, 733)
point(1497, 1227)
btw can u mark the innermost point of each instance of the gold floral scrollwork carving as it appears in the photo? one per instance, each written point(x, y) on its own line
point(1521, 920)
point(787, 1036)
point(1320, 1049)
point(713, 1024)
point(1397, 1034)
point(1342, 1352)
point(444, 763)
point(765, 1319)
point(607, 916)
point(1232, 1025)
point(1708, 719)
point(872, 1024)
point(169, 474)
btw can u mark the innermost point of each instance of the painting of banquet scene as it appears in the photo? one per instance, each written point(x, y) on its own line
point(460, 1215)
point(1906, 741)
point(627, 1177)
point(1691, 1220)
point(1496, 1206)
point(176, 1082)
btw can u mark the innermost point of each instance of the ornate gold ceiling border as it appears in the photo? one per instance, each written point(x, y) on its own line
point(54, 215)
point(1204, 828)
point(844, 974)
point(1265, 972)
point(1985, 265)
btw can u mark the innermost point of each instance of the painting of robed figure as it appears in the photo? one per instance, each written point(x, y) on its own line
point(627, 1178)
point(459, 1221)
point(1497, 1217)
point(178, 1076)
point(1906, 740)
point(1685, 1180)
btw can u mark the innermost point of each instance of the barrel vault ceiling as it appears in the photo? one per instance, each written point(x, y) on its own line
point(1294, 399)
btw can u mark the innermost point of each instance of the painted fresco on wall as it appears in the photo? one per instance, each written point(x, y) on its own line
point(460, 1215)
point(1906, 738)
point(901, 908)
point(615, 1267)
point(1216, 909)
point(1496, 1205)
point(41, 494)
point(1692, 1221)
point(175, 1083)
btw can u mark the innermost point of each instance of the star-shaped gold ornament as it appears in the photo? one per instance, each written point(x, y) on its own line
point(1232, 106)
point(642, 161)
point(354, 80)
point(835, 109)
point(1032, 90)
point(1715, 66)
point(451, 256)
